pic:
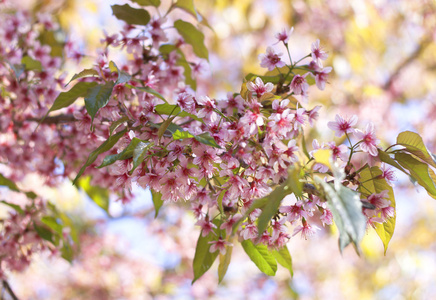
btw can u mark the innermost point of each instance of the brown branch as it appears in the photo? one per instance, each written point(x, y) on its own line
point(425, 42)
point(9, 290)
point(59, 119)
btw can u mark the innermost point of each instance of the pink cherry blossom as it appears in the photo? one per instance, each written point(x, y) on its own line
point(306, 230)
point(283, 36)
point(343, 126)
point(318, 54)
point(228, 225)
point(313, 114)
point(380, 200)
point(206, 226)
point(340, 151)
point(388, 174)
point(259, 87)
point(249, 232)
point(299, 84)
point(220, 245)
point(207, 108)
point(321, 77)
point(369, 140)
point(271, 59)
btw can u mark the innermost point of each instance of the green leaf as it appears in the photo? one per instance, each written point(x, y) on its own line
point(192, 36)
point(49, 37)
point(155, 3)
point(261, 256)
point(293, 182)
point(97, 97)
point(189, 80)
point(68, 241)
point(164, 126)
point(105, 146)
point(53, 223)
point(18, 69)
point(139, 154)
point(82, 74)
point(304, 146)
point(131, 15)
point(386, 158)
point(180, 135)
point(67, 252)
point(123, 155)
point(16, 207)
point(220, 201)
point(207, 139)
point(415, 145)
point(371, 181)
point(188, 6)
point(284, 258)
point(347, 213)
point(271, 207)
point(157, 201)
point(123, 77)
point(265, 79)
point(8, 183)
point(31, 64)
point(44, 233)
point(224, 263)
point(13, 187)
point(117, 123)
point(149, 90)
point(418, 171)
point(99, 195)
point(65, 99)
point(168, 109)
point(203, 259)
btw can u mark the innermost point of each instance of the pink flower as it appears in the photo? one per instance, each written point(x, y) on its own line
point(219, 245)
point(259, 87)
point(208, 107)
point(388, 174)
point(206, 226)
point(282, 123)
point(299, 118)
point(327, 217)
point(280, 106)
point(338, 151)
point(299, 84)
point(313, 114)
point(369, 140)
point(342, 126)
point(306, 230)
point(283, 36)
point(271, 59)
point(249, 232)
point(379, 200)
point(318, 54)
point(321, 77)
point(387, 212)
point(186, 103)
point(228, 226)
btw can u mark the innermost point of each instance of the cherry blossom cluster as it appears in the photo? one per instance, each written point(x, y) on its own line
point(218, 154)
point(19, 240)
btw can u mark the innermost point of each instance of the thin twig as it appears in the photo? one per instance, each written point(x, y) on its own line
point(8, 288)
point(425, 42)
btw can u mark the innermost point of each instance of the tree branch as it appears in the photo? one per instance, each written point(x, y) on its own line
point(59, 119)
point(9, 290)
point(425, 42)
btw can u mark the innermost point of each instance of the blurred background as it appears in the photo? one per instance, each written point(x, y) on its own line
point(383, 54)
